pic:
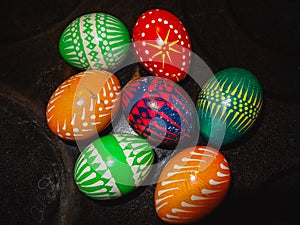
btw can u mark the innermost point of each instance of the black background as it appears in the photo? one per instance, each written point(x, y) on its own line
point(36, 167)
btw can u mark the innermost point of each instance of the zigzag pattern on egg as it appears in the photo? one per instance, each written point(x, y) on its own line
point(138, 160)
point(94, 41)
point(113, 165)
point(157, 109)
point(95, 179)
point(192, 184)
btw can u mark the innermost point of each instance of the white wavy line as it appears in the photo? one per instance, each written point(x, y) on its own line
point(142, 157)
point(64, 86)
point(52, 107)
point(170, 174)
point(159, 207)
point(219, 174)
point(199, 198)
point(185, 159)
point(200, 154)
point(224, 167)
point(98, 183)
point(88, 178)
point(164, 198)
point(87, 169)
point(98, 98)
point(92, 105)
point(176, 210)
point(54, 100)
point(65, 124)
point(102, 190)
point(50, 118)
point(58, 93)
point(214, 182)
point(159, 193)
point(172, 217)
point(102, 115)
point(104, 92)
point(207, 150)
point(208, 191)
point(177, 167)
point(83, 114)
point(185, 204)
point(81, 162)
point(164, 183)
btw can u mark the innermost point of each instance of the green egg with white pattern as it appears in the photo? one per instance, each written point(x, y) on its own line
point(95, 41)
point(113, 166)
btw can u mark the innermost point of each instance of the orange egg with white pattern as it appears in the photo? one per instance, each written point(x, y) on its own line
point(193, 183)
point(83, 105)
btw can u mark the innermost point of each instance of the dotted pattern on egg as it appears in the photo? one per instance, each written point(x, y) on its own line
point(157, 109)
point(71, 117)
point(96, 173)
point(233, 97)
point(162, 50)
point(95, 41)
point(193, 183)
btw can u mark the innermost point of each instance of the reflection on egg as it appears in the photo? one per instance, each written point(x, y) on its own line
point(159, 109)
point(83, 105)
point(162, 44)
point(229, 103)
point(193, 183)
point(95, 41)
point(113, 165)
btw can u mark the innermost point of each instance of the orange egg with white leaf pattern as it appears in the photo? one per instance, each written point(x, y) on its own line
point(83, 105)
point(193, 184)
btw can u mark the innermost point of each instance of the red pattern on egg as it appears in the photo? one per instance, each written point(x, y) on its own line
point(192, 185)
point(162, 44)
point(83, 105)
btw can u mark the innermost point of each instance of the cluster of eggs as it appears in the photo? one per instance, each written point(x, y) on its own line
point(194, 181)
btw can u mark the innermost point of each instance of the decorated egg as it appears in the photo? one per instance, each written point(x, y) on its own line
point(95, 41)
point(193, 184)
point(113, 166)
point(162, 44)
point(228, 105)
point(83, 105)
point(159, 109)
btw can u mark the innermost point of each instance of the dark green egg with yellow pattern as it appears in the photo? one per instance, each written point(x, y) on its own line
point(228, 105)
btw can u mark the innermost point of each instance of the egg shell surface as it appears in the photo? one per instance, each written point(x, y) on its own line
point(193, 184)
point(113, 166)
point(162, 44)
point(159, 109)
point(230, 102)
point(95, 41)
point(83, 105)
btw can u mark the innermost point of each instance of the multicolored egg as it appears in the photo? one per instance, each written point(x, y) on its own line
point(159, 109)
point(192, 185)
point(83, 105)
point(113, 166)
point(95, 41)
point(228, 105)
point(162, 44)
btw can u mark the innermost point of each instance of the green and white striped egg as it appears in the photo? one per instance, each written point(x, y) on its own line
point(95, 41)
point(113, 165)
point(228, 105)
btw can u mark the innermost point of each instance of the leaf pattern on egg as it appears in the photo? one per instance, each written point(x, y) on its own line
point(192, 185)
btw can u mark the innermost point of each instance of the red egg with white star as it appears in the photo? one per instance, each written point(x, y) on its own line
point(162, 44)
point(83, 105)
point(193, 184)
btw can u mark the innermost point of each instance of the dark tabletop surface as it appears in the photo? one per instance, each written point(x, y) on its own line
point(36, 167)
